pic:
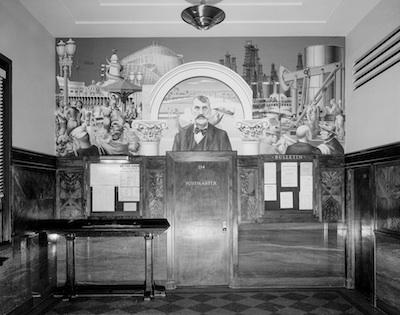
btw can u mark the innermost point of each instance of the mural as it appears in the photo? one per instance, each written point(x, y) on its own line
point(293, 112)
point(177, 108)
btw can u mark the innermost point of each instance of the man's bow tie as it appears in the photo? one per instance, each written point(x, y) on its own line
point(203, 131)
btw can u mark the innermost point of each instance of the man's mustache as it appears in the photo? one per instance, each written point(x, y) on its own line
point(201, 116)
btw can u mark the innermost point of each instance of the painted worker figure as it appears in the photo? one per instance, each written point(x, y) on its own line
point(331, 145)
point(114, 142)
point(81, 143)
point(312, 114)
point(303, 134)
point(201, 135)
point(268, 143)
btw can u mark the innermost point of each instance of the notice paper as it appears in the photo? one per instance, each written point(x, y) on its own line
point(306, 183)
point(129, 175)
point(102, 174)
point(289, 174)
point(103, 199)
point(306, 168)
point(306, 178)
point(130, 206)
point(286, 199)
point(129, 193)
point(306, 186)
point(269, 173)
point(305, 200)
point(270, 193)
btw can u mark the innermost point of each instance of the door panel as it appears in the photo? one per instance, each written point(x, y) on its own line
point(202, 204)
point(201, 197)
point(364, 247)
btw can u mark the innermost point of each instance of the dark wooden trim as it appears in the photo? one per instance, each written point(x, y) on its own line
point(385, 153)
point(5, 220)
point(22, 157)
point(388, 233)
point(388, 309)
point(248, 161)
point(331, 161)
point(23, 308)
point(2, 260)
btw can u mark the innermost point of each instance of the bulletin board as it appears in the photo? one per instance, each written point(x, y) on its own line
point(114, 188)
point(288, 183)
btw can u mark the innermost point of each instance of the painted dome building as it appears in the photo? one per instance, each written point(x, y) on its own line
point(152, 62)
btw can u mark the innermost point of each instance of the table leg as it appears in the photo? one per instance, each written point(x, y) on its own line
point(70, 266)
point(149, 281)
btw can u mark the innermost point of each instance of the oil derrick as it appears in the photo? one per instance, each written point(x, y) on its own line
point(299, 65)
point(229, 62)
point(273, 81)
point(249, 62)
point(300, 83)
point(252, 69)
point(233, 64)
point(274, 74)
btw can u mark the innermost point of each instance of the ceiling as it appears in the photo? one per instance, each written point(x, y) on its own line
point(161, 18)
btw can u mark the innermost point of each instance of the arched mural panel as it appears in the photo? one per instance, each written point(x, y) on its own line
point(230, 97)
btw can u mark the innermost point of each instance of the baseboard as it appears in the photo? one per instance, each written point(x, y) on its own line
point(390, 310)
point(23, 309)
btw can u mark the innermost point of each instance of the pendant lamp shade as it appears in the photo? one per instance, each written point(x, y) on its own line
point(203, 16)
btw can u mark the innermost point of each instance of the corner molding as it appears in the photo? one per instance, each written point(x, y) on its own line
point(385, 153)
point(26, 158)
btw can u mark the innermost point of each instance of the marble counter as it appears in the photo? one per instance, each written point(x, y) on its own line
point(387, 271)
point(290, 254)
point(29, 271)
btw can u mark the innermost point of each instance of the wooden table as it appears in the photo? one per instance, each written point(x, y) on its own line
point(96, 227)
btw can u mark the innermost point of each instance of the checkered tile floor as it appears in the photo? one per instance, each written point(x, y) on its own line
point(184, 301)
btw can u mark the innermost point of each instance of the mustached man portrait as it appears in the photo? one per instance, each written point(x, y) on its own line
point(201, 135)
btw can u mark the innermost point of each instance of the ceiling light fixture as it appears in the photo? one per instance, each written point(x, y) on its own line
point(203, 16)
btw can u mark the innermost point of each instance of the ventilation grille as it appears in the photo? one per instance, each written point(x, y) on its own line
point(377, 60)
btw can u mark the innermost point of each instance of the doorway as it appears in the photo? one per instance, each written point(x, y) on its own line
point(200, 198)
point(364, 235)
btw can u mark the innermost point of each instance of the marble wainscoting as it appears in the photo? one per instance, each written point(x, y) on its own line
point(301, 254)
point(33, 188)
point(112, 260)
point(388, 272)
point(28, 275)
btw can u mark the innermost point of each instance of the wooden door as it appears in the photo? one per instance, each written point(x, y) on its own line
point(200, 198)
point(364, 242)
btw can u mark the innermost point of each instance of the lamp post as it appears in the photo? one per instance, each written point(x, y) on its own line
point(136, 78)
point(65, 51)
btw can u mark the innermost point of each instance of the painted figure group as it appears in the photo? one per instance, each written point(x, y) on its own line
point(202, 135)
point(315, 113)
point(95, 129)
point(272, 143)
point(106, 130)
point(320, 123)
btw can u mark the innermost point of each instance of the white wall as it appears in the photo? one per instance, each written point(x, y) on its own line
point(373, 110)
point(32, 51)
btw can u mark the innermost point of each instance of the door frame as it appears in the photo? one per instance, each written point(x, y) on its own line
point(232, 250)
point(355, 230)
